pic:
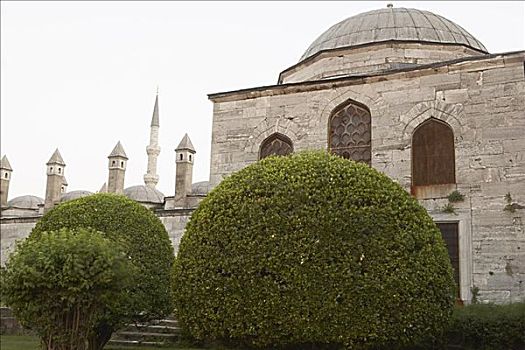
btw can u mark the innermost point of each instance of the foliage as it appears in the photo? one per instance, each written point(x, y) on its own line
point(448, 208)
point(475, 294)
point(311, 250)
point(489, 326)
point(145, 241)
point(62, 283)
point(483, 327)
point(455, 196)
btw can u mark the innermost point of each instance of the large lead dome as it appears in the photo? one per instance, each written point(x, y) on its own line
point(397, 24)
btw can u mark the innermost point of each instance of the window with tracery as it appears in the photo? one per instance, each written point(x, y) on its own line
point(276, 144)
point(433, 161)
point(350, 134)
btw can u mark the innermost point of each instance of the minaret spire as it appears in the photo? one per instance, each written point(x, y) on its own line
point(153, 150)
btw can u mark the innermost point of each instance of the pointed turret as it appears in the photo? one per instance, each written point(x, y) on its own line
point(5, 174)
point(4, 164)
point(153, 150)
point(184, 154)
point(118, 151)
point(56, 158)
point(117, 169)
point(55, 180)
point(103, 189)
point(185, 144)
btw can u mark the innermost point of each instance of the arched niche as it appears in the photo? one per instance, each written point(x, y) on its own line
point(433, 156)
point(275, 144)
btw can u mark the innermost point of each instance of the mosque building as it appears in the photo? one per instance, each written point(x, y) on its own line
point(406, 91)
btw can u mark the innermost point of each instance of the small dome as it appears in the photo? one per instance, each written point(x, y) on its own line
point(74, 195)
point(25, 202)
point(144, 194)
point(400, 24)
point(200, 188)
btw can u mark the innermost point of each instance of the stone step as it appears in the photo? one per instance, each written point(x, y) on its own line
point(142, 337)
point(152, 328)
point(6, 312)
point(135, 343)
point(165, 322)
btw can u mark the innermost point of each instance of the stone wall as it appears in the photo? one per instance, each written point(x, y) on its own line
point(371, 59)
point(175, 222)
point(12, 230)
point(482, 100)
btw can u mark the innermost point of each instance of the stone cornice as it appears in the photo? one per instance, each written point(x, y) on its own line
point(398, 73)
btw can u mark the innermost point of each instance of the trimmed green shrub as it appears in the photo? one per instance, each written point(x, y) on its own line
point(482, 327)
point(312, 250)
point(61, 284)
point(144, 240)
point(488, 326)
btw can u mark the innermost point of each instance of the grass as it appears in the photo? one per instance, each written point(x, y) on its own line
point(19, 342)
point(24, 342)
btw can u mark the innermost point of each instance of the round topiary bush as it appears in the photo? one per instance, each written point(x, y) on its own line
point(312, 249)
point(142, 237)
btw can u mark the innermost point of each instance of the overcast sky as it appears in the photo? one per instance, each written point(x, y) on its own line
point(81, 76)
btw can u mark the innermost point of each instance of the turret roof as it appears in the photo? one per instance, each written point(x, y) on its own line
point(118, 151)
point(155, 117)
point(185, 144)
point(56, 158)
point(104, 188)
point(4, 164)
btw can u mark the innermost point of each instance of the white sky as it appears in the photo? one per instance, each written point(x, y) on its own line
point(81, 76)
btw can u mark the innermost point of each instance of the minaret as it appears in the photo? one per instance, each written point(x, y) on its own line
point(184, 154)
point(5, 173)
point(153, 150)
point(55, 180)
point(117, 169)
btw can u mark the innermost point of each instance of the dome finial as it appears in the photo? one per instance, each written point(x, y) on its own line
point(390, 5)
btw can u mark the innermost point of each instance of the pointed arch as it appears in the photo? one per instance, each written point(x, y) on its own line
point(350, 134)
point(276, 144)
point(433, 154)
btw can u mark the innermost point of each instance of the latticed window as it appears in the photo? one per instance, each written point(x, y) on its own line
point(433, 154)
point(350, 135)
point(276, 144)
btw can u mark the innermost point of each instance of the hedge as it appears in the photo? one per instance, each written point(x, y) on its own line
point(312, 250)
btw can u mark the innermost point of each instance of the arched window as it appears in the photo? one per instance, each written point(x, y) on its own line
point(276, 144)
point(433, 154)
point(350, 135)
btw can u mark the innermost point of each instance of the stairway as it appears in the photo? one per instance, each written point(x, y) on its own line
point(154, 333)
point(8, 323)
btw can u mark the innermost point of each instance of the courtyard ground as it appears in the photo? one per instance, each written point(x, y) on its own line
point(17, 342)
